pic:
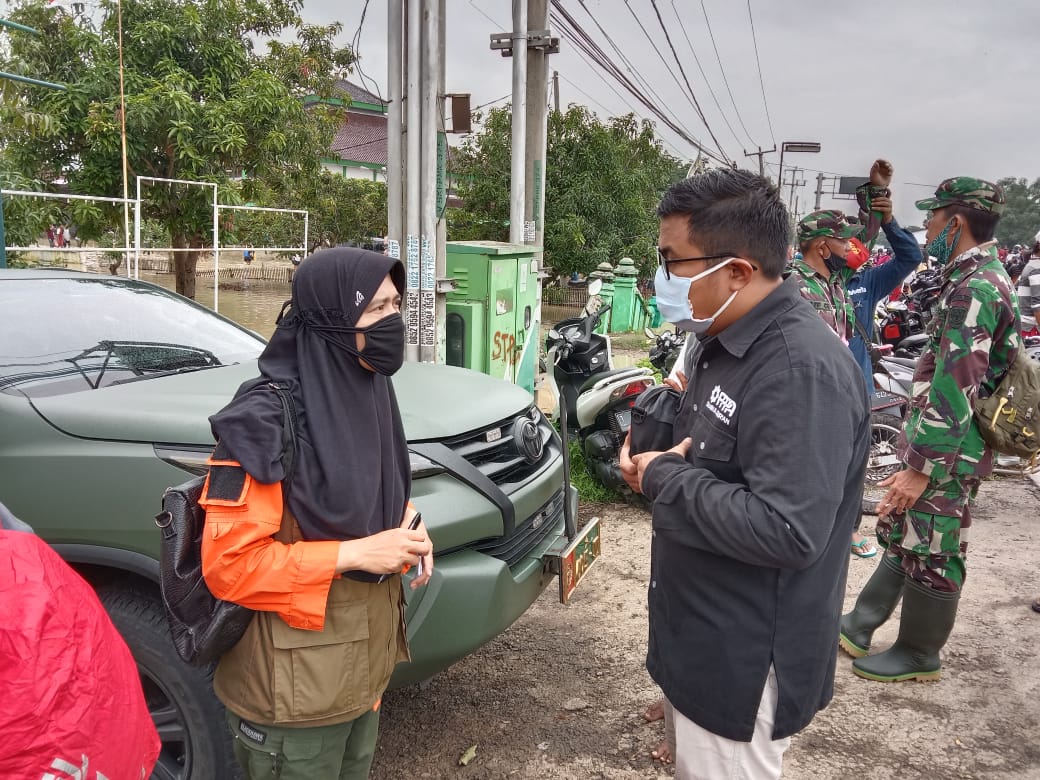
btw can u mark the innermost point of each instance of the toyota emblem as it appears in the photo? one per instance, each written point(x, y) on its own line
point(527, 439)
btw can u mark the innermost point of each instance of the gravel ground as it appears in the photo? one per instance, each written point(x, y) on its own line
point(560, 694)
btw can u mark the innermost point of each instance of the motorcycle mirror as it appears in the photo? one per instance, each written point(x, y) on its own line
point(595, 286)
point(649, 333)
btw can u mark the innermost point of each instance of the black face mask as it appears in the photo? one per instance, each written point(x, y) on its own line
point(384, 345)
point(835, 263)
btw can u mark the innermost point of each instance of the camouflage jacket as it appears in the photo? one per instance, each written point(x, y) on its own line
point(974, 338)
point(828, 296)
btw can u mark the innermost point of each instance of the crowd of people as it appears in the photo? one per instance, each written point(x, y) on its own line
point(750, 536)
point(61, 236)
point(749, 555)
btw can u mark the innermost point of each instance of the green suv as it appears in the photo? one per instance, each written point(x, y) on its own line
point(106, 385)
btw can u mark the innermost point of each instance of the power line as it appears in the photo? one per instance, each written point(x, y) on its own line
point(492, 102)
point(610, 112)
point(642, 82)
point(704, 75)
point(761, 81)
point(687, 92)
point(718, 58)
point(355, 44)
point(576, 34)
point(682, 71)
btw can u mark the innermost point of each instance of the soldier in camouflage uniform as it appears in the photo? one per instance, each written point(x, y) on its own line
point(924, 517)
point(823, 240)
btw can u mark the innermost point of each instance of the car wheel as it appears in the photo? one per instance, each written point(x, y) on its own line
point(187, 714)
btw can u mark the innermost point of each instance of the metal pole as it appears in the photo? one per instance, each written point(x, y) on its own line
point(428, 178)
point(395, 122)
point(442, 174)
point(535, 164)
point(3, 235)
point(137, 229)
point(819, 191)
point(306, 233)
point(413, 186)
point(216, 249)
point(122, 130)
point(33, 82)
point(517, 194)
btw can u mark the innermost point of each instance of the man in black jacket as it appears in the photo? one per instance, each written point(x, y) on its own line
point(752, 511)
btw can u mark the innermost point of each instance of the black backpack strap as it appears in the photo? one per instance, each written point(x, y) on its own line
point(289, 437)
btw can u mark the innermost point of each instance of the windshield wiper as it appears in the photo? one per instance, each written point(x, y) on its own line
point(145, 357)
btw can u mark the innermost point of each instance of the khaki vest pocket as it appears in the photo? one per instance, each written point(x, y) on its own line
point(321, 673)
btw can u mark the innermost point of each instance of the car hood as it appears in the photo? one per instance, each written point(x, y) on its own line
point(436, 402)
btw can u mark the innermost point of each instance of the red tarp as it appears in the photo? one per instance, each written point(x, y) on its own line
point(71, 704)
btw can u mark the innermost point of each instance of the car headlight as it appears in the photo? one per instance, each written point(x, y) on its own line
point(190, 459)
point(423, 466)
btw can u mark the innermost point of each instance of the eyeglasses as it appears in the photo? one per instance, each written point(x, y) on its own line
point(664, 262)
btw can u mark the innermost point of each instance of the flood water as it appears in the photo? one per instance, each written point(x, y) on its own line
point(252, 303)
point(255, 303)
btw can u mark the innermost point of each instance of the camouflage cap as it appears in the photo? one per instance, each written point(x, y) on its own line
point(966, 191)
point(826, 223)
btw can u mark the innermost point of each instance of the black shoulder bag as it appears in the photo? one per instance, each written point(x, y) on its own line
point(204, 627)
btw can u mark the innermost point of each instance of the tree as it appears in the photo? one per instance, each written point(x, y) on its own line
point(1020, 220)
point(201, 105)
point(341, 209)
point(603, 183)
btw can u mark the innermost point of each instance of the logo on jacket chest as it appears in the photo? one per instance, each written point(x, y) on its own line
point(721, 405)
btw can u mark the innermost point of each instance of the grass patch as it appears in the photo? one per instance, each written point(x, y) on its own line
point(589, 488)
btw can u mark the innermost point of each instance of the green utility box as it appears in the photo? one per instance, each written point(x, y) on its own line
point(490, 324)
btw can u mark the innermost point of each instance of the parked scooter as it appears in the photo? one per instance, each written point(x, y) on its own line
point(592, 398)
point(666, 348)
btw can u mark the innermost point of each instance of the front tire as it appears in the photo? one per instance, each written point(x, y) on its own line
point(883, 461)
point(186, 712)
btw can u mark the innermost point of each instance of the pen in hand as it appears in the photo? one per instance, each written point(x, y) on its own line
point(411, 527)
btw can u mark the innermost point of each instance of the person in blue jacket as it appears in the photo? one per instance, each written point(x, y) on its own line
point(868, 286)
point(873, 283)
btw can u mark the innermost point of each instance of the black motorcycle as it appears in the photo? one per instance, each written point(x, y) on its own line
point(594, 398)
point(666, 348)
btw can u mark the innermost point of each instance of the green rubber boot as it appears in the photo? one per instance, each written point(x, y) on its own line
point(926, 623)
point(874, 606)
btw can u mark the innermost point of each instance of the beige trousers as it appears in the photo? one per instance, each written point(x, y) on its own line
point(702, 755)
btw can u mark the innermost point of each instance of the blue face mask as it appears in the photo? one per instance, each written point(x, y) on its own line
point(673, 300)
point(939, 249)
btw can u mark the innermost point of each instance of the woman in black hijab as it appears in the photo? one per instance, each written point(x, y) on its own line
point(303, 685)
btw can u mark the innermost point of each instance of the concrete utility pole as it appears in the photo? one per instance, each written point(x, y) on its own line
point(760, 154)
point(795, 182)
point(819, 190)
point(415, 72)
point(517, 193)
point(556, 91)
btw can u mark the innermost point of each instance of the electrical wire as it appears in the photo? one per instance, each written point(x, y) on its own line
point(682, 72)
point(687, 91)
point(704, 75)
point(632, 69)
point(761, 82)
point(718, 58)
point(355, 44)
point(492, 102)
point(571, 29)
point(612, 113)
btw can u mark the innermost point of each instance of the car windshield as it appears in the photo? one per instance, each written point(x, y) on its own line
point(67, 335)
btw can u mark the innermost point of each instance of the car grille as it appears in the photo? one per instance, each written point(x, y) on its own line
point(498, 454)
point(514, 548)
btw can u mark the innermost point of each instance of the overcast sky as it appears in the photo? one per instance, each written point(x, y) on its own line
point(939, 88)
